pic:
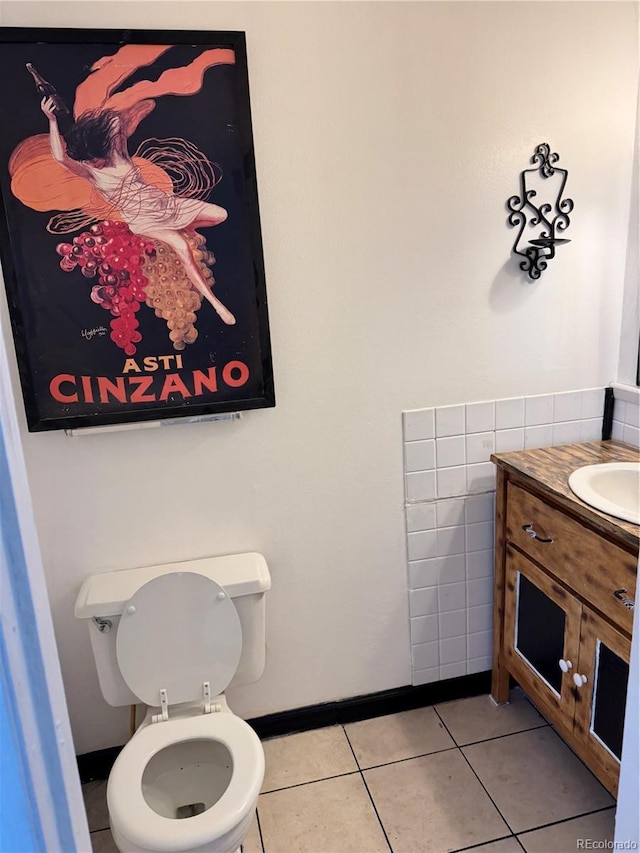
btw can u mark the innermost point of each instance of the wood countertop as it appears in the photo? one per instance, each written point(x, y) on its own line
point(548, 468)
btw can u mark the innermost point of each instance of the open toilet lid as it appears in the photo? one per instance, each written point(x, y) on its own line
point(176, 632)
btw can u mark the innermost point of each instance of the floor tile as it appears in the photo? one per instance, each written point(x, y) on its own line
point(564, 836)
point(306, 757)
point(322, 817)
point(102, 842)
point(433, 804)
point(535, 779)
point(507, 845)
point(251, 842)
point(95, 803)
point(397, 736)
point(477, 718)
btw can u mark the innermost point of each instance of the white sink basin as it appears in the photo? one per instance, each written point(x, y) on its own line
point(612, 487)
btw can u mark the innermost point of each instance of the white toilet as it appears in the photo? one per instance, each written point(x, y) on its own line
point(175, 637)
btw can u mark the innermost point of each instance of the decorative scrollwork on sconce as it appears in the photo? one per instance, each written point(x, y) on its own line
point(546, 217)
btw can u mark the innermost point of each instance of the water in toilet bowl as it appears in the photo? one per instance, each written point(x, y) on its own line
point(187, 778)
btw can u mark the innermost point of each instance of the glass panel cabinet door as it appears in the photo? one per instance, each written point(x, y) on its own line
point(609, 698)
point(601, 689)
point(542, 634)
point(539, 631)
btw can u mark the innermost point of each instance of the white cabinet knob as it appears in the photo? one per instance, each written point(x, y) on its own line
point(579, 680)
point(565, 665)
point(131, 609)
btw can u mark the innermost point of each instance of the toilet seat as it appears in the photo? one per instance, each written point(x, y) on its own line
point(176, 633)
point(141, 825)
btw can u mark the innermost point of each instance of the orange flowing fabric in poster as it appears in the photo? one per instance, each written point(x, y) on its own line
point(43, 184)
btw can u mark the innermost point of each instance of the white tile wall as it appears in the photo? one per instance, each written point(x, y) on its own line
point(510, 413)
point(449, 421)
point(480, 417)
point(538, 410)
point(421, 485)
point(567, 406)
point(452, 624)
point(421, 517)
point(451, 481)
point(538, 436)
point(418, 425)
point(420, 455)
point(626, 421)
point(509, 439)
point(450, 500)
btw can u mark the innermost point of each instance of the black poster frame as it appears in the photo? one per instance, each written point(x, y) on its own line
point(232, 356)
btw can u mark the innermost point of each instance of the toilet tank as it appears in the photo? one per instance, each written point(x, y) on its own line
point(102, 598)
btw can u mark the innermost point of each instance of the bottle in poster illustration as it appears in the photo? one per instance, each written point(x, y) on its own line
point(46, 90)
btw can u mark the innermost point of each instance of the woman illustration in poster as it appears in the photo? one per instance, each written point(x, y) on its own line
point(95, 148)
point(158, 195)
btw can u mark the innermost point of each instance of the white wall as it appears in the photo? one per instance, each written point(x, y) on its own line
point(388, 137)
point(628, 363)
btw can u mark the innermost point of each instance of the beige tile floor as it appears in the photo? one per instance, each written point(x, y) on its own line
point(462, 775)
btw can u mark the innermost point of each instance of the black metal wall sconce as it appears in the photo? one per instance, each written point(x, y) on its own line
point(545, 218)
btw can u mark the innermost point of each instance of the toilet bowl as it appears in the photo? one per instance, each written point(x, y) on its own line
point(189, 784)
point(189, 778)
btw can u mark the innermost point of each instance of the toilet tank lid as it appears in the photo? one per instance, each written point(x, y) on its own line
point(105, 594)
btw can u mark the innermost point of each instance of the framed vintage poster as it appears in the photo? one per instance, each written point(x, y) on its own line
point(130, 234)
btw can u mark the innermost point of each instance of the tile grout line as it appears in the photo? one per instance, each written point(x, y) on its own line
point(587, 768)
point(533, 828)
point(557, 733)
point(366, 787)
point(408, 758)
point(566, 819)
point(309, 782)
point(260, 831)
point(399, 760)
point(499, 737)
point(507, 824)
point(485, 844)
point(455, 746)
point(361, 770)
point(384, 831)
point(411, 757)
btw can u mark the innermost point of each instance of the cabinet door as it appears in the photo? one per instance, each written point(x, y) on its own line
point(542, 629)
point(601, 700)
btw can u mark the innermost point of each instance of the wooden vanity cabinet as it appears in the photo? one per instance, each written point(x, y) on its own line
point(563, 617)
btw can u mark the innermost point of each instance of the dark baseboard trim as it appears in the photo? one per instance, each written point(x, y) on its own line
point(97, 765)
point(359, 708)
